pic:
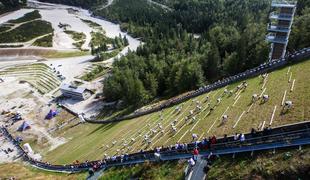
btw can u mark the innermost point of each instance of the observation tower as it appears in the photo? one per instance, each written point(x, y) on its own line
point(279, 28)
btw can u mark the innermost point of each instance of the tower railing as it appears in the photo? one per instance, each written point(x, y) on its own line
point(282, 16)
point(272, 27)
point(284, 2)
point(271, 37)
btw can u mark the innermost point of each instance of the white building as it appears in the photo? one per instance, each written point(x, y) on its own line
point(74, 92)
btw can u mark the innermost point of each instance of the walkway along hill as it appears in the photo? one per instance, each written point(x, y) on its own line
point(281, 137)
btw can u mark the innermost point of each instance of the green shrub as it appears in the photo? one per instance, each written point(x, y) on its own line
point(77, 36)
point(98, 38)
point(93, 25)
point(96, 72)
point(79, 44)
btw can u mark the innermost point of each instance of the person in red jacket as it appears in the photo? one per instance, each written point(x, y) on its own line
point(213, 140)
point(196, 153)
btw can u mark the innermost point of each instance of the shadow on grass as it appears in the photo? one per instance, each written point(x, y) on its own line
point(262, 102)
point(109, 114)
point(249, 104)
point(103, 127)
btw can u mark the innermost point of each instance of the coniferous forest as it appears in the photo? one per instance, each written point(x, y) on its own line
point(9, 5)
point(195, 43)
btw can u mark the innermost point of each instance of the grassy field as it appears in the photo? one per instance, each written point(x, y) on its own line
point(167, 170)
point(284, 164)
point(22, 171)
point(91, 141)
point(66, 54)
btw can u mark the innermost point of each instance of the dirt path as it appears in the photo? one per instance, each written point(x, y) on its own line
point(106, 5)
point(161, 5)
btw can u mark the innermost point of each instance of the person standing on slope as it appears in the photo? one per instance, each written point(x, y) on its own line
point(195, 153)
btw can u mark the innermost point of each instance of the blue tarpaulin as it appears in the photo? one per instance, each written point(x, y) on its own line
point(52, 113)
point(24, 127)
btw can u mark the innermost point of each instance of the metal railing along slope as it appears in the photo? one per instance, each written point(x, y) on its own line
point(284, 136)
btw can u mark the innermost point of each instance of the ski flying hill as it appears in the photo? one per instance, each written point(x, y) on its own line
point(274, 99)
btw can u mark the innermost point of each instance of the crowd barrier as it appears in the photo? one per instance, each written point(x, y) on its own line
point(263, 68)
point(277, 137)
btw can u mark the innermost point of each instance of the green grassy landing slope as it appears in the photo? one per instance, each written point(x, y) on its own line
point(284, 164)
point(22, 171)
point(167, 170)
point(91, 141)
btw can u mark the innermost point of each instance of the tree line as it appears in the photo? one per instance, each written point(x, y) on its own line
point(9, 5)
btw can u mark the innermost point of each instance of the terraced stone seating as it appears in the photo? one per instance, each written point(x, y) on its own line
point(38, 75)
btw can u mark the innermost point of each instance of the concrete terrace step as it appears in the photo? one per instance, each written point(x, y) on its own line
point(34, 83)
point(43, 74)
